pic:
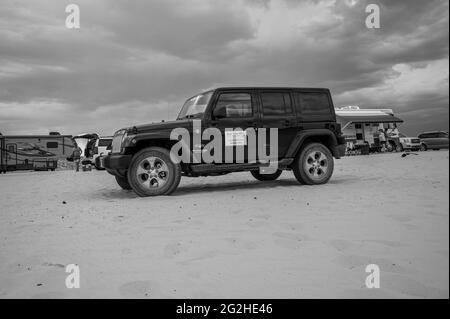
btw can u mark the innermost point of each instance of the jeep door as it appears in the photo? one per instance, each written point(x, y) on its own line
point(315, 110)
point(231, 110)
point(277, 111)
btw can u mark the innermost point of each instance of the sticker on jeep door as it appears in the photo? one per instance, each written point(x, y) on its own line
point(235, 138)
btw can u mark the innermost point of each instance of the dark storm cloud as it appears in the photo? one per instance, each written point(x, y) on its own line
point(135, 61)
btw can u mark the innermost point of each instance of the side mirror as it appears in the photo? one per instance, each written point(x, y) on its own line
point(219, 113)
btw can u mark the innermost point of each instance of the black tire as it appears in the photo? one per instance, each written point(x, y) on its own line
point(314, 164)
point(152, 172)
point(266, 177)
point(123, 182)
point(423, 147)
point(399, 148)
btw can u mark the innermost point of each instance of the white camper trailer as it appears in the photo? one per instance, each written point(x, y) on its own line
point(38, 152)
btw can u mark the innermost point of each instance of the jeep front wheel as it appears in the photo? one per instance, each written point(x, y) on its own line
point(266, 177)
point(314, 164)
point(153, 173)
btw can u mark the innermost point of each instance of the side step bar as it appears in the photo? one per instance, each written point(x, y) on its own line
point(217, 168)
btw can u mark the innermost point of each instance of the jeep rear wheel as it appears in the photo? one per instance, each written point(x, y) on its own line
point(123, 182)
point(314, 164)
point(266, 177)
point(152, 172)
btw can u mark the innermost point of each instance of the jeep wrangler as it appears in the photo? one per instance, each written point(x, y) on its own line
point(308, 138)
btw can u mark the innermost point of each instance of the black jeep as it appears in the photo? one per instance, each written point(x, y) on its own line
point(307, 138)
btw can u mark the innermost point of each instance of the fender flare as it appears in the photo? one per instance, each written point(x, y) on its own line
point(303, 135)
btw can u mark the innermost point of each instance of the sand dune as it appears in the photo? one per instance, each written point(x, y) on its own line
point(231, 236)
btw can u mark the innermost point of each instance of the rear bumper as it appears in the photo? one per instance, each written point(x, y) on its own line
point(339, 150)
point(117, 161)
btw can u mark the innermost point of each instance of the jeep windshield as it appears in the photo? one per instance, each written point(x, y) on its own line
point(195, 106)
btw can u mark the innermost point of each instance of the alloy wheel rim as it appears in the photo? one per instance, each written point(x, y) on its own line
point(152, 172)
point(316, 165)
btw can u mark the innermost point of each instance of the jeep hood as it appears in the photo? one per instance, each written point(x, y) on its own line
point(161, 126)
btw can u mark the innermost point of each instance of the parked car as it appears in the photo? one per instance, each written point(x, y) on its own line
point(100, 150)
point(434, 140)
point(408, 143)
point(308, 139)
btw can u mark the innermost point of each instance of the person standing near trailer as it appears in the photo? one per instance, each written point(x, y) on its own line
point(76, 155)
point(382, 137)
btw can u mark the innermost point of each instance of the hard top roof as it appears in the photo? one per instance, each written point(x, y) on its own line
point(268, 88)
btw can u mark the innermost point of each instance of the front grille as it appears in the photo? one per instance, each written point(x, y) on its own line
point(117, 142)
point(415, 140)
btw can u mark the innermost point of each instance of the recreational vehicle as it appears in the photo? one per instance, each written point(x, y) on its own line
point(362, 128)
point(38, 152)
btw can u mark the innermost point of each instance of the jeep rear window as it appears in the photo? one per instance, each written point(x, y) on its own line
point(195, 106)
point(313, 103)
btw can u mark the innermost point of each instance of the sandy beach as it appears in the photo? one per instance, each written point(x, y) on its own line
point(231, 236)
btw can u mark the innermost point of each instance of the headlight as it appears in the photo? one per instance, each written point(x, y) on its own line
point(116, 145)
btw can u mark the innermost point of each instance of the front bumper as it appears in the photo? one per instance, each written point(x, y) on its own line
point(117, 161)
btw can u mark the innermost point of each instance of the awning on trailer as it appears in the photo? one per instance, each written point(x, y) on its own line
point(370, 118)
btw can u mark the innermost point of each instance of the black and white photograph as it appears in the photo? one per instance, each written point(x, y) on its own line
point(205, 150)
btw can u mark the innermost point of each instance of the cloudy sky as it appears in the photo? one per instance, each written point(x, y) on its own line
point(134, 62)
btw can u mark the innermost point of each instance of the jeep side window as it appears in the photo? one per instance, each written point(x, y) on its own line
point(234, 105)
point(313, 103)
point(276, 103)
